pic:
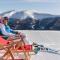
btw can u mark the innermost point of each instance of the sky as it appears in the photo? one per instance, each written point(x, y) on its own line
point(43, 6)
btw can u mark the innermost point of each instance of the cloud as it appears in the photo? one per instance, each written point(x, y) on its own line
point(40, 1)
point(37, 0)
point(34, 0)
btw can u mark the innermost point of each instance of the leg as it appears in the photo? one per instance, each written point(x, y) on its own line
point(26, 53)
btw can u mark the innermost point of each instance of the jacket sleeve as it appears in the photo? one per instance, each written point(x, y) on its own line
point(14, 32)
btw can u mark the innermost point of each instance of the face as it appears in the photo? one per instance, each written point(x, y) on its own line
point(5, 21)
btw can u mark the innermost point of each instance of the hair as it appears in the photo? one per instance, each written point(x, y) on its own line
point(5, 18)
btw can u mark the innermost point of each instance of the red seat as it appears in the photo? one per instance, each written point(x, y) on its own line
point(3, 41)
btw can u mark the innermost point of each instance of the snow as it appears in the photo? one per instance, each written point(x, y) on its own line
point(45, 56)
point(29, 14)
point(49, 39)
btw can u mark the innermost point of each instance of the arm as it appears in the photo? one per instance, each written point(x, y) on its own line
point(14, 32)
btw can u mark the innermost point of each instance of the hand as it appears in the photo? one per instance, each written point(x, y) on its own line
point(10, 38)
point(21, 35)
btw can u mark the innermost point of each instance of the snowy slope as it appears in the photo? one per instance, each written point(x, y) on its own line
point(49, 39)
point(45, 56)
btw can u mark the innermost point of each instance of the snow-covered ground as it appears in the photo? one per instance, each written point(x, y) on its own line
point(45, 56)
point(50, 39)
point(47, 38)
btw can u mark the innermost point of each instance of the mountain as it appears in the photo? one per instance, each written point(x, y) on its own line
point(32, 20)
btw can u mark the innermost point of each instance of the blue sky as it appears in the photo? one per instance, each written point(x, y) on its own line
point(43, 6)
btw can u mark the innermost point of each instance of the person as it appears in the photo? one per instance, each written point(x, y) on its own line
point(7, 31)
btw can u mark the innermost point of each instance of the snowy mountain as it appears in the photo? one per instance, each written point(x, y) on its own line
point(25, 14)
